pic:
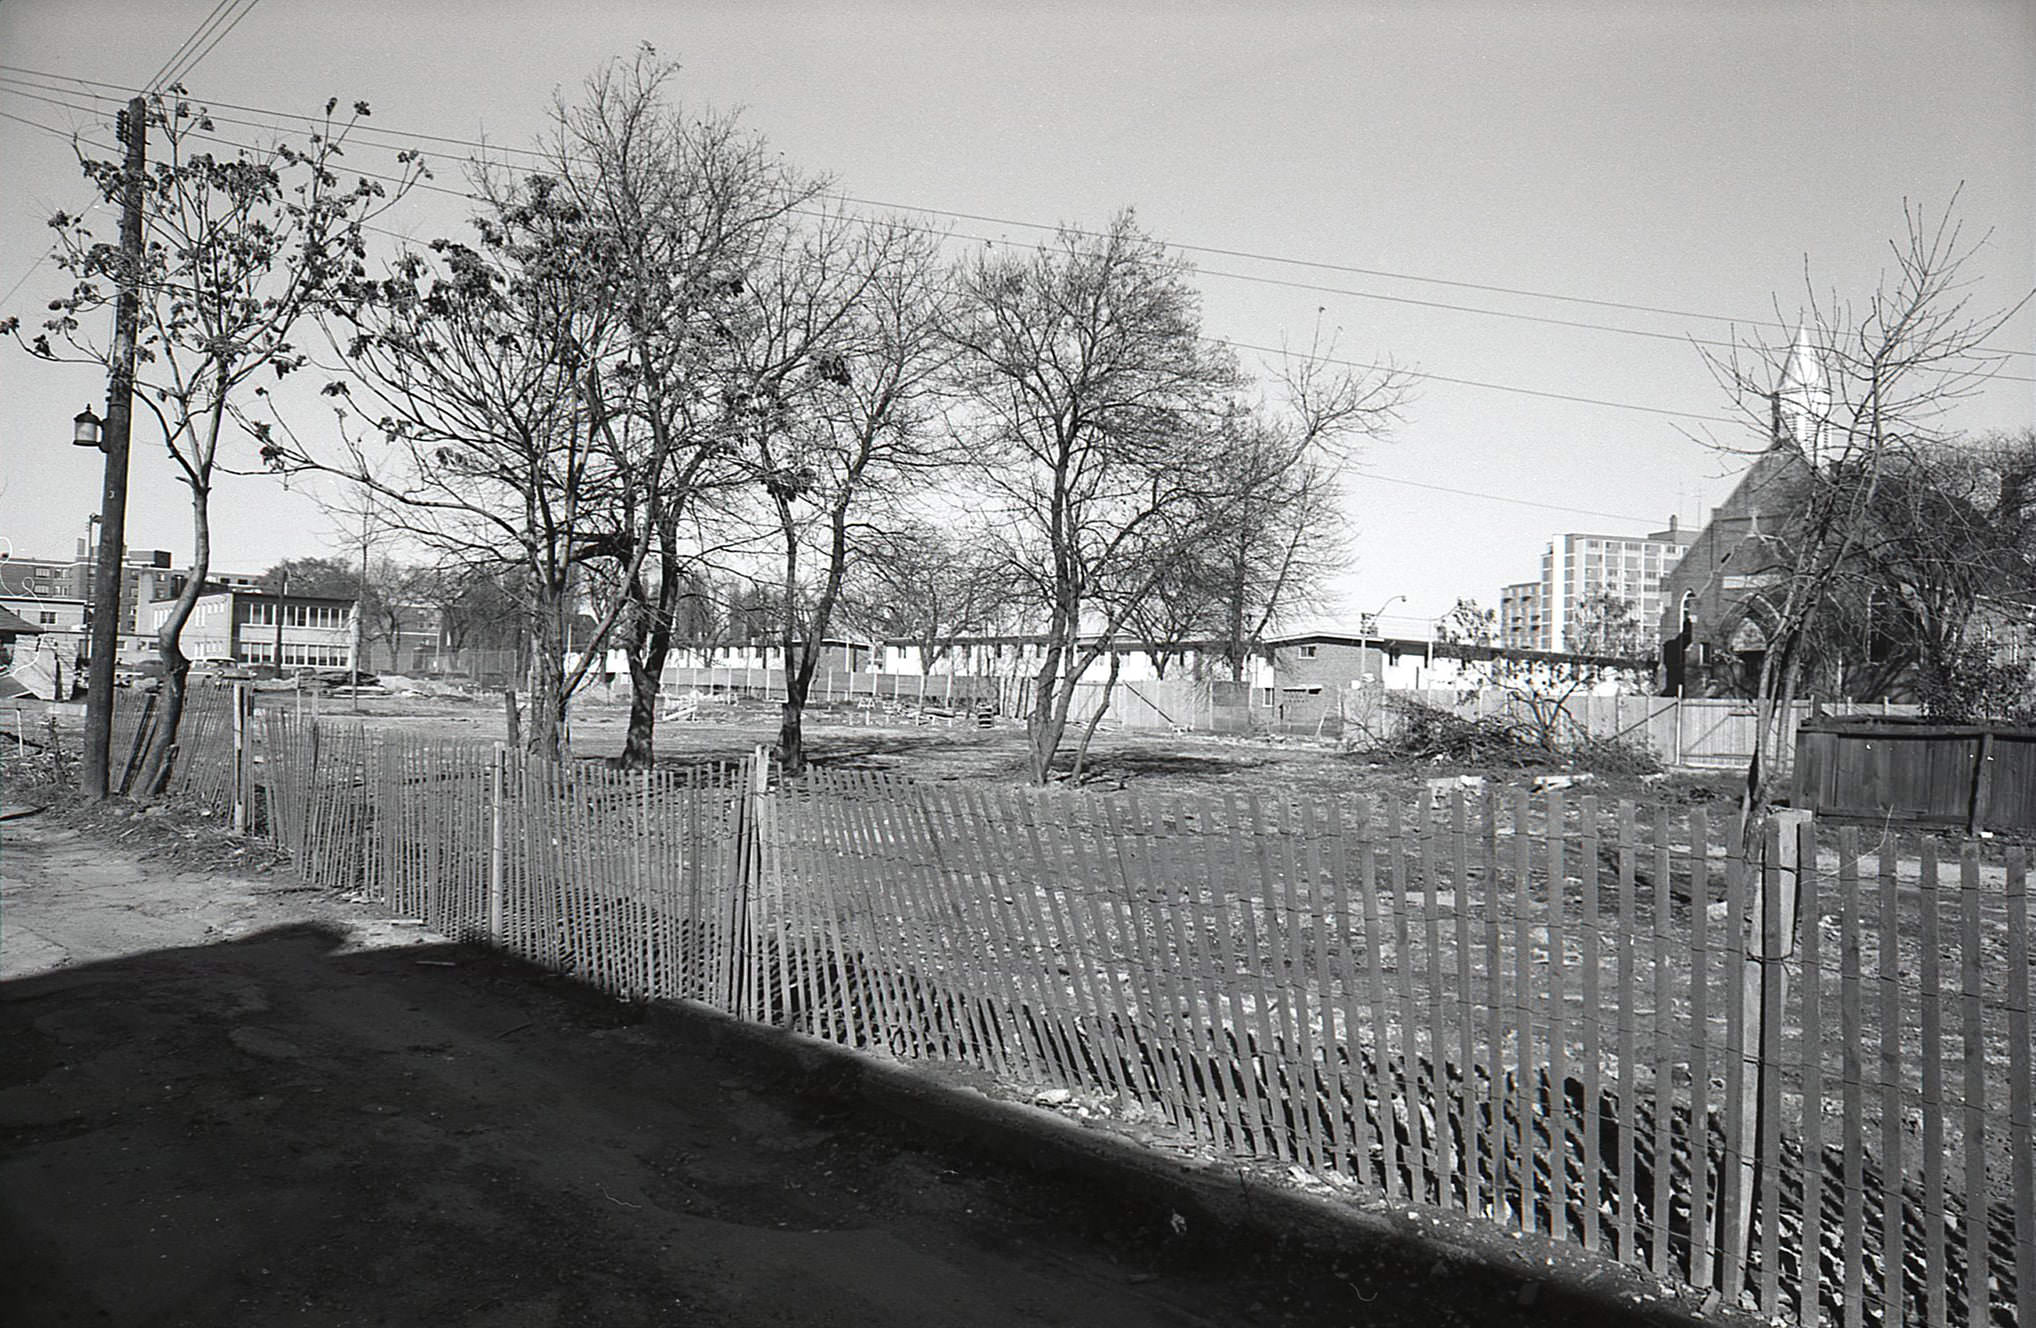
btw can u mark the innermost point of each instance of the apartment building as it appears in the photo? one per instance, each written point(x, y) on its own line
point(1520, 615)
point(54, 594)
point(1552, 614)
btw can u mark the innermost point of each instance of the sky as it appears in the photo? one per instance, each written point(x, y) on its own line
point(1670, 171)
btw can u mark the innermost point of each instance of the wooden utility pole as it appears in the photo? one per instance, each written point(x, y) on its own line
point(360, 601)
point(119, 424)
point(282, 602)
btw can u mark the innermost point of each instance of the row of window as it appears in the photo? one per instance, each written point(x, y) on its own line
point(294, 656)
point(296, 615)
point(1622, 546)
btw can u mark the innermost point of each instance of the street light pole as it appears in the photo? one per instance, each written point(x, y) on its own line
point(113, 502)
point(1368, 628)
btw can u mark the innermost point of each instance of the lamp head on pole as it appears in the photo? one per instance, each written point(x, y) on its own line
point(86, 430)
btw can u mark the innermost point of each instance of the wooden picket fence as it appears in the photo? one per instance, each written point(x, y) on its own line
point(1806, 1085)
point(203, 770)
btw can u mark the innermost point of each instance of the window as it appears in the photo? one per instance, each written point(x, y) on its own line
point(46, 618)
point(1307, 652)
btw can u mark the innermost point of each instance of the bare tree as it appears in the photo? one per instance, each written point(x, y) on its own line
point(1181, 611)
point(1097, 410)
point(1861, 395)
point(1948, 562)
point(481, 617)
point(491, 432)
point(385, 598)
point(243, 245)
point(842, 421)
point(1275, 546)
point(1111, 438)
point(926, 584)
point(1267, 551)
point(682, 212)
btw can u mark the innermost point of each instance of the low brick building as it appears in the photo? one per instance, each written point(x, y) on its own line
point(238, 625)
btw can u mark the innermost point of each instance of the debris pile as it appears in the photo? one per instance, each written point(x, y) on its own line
point(1429, 733)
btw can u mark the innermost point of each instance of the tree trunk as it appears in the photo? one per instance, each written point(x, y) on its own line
point(640, 739)
point(791, 724)
point(546, 734)
point(650, 644)
point(639, 743)
point(1775, 697)
point(156, 763)
point(1048, 720)
point(154, 776)
point(799, 671)
point(1234, 646)
point(1095, 720)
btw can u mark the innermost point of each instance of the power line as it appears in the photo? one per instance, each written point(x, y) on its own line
point(197, 35)
point(1250, 255)
point(1429, 375)
point(1503, 498)
point(1497, 387)
point(368, 141)
point(33, 268)
point(1360, 365)
point(36, 124)
point(365, 135)
point(184, 70)
point(1383, 479)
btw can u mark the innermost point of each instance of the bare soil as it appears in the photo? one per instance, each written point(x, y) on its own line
point(1146, 761)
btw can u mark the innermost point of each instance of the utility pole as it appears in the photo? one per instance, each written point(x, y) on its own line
point(119, 421)
point(282, 601)
point(360, 598)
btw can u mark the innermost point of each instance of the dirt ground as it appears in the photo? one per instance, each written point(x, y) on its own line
point(227, 1099)
point(1146, 761)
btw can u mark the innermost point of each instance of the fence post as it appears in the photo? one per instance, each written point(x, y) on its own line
point(1982, 784)
point(240, 759)
point(1763, 988)
point(756, 782)
point(495, 792)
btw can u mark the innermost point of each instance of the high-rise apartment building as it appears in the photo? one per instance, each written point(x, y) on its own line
point(1555, 613)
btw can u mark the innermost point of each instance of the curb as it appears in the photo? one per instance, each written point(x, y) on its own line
point(1231, 1214)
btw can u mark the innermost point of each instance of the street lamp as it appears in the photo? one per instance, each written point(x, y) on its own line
point(1369, 628)
point(87, 430)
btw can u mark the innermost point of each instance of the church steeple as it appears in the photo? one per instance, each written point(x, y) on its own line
point(1802, 401)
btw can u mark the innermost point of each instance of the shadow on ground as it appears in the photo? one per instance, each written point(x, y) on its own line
point(280, 1128)
point(1159, 763)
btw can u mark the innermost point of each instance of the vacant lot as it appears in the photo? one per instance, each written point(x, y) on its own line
point(1146, 761)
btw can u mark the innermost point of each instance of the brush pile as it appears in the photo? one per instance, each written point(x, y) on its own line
point(1422, 732)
